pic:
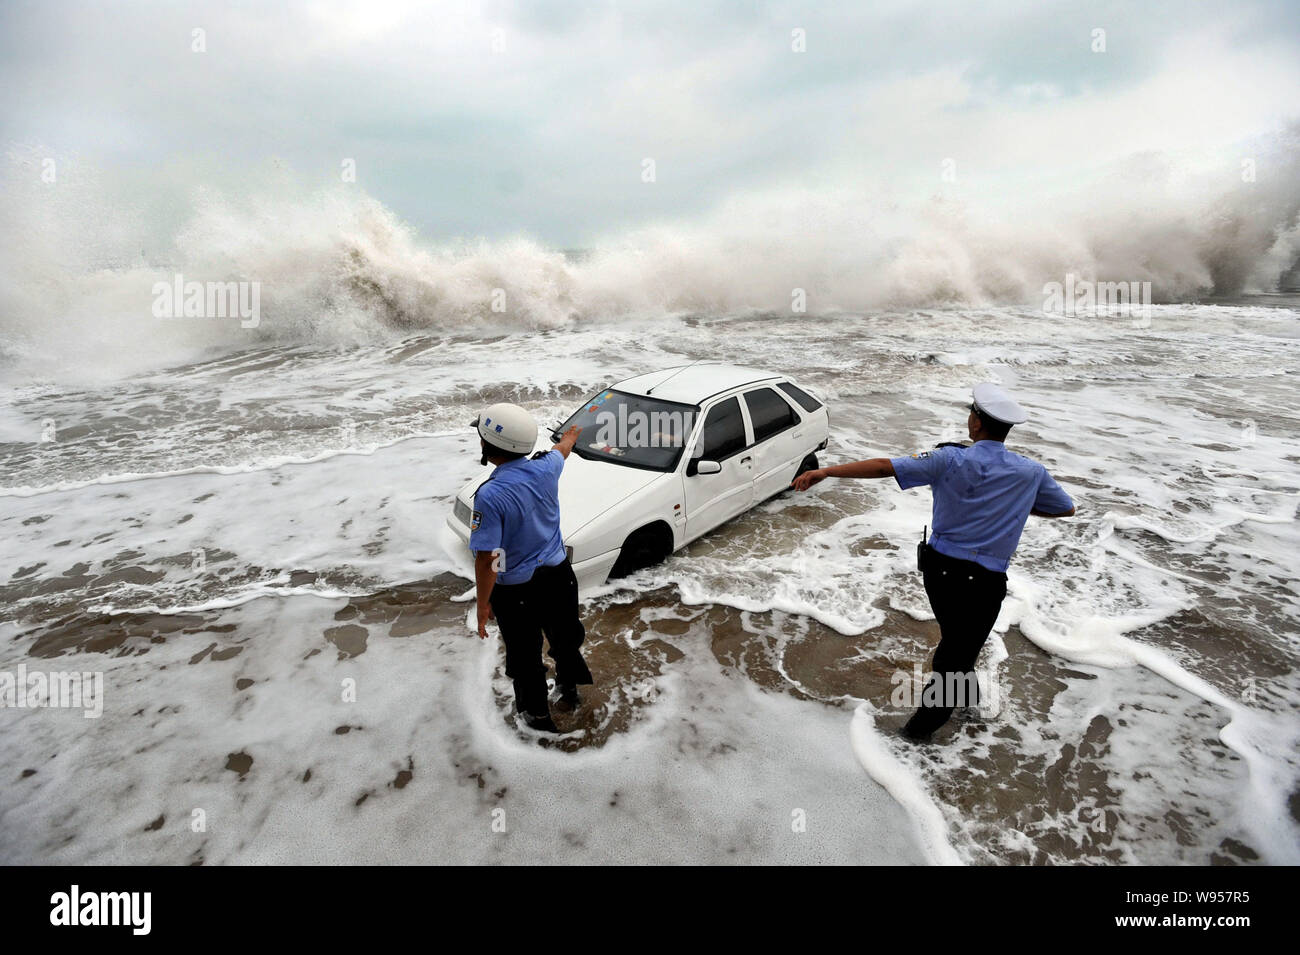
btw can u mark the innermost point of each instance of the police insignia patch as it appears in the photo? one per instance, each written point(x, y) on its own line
point(475, 519)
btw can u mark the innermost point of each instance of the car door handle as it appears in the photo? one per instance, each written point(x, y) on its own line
point(746, 459)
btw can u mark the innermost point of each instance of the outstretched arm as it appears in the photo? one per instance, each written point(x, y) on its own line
point(566, 443)
point(870, 468)
point(1051, 500)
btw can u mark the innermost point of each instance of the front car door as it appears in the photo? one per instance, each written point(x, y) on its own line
point(714, 498)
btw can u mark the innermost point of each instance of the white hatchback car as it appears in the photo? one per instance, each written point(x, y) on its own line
point(668, 456)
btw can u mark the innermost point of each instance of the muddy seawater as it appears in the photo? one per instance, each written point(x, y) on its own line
point(250, 550)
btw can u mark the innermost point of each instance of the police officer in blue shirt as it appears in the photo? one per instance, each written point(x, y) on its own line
point(983, 495)
point(521, 570)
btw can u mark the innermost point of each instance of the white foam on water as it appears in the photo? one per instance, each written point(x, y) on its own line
point(717, 769)
point(906, 788)
point(220, 539)
point(262, 465)
point(1263, 740)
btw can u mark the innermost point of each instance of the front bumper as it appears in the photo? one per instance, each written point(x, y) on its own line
point(594, 571)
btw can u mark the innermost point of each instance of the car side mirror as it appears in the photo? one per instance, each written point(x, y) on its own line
point(707, 467)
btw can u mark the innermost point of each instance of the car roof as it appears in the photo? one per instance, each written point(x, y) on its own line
point(696, 382)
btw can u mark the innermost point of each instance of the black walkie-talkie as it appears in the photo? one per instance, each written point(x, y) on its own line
point(920, 550)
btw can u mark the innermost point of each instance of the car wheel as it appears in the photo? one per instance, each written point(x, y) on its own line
point(643, 548)
point(807, 464)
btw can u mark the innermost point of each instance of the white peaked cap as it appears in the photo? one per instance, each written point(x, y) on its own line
point(995, 403)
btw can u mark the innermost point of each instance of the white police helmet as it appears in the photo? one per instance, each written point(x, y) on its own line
point(507, 427)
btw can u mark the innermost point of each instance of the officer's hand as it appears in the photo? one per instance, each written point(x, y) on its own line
point(808, 479)
point(484, 615)
point(570, 438)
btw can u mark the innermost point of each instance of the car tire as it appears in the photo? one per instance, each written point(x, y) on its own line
point(644, 547)
point(809, 463)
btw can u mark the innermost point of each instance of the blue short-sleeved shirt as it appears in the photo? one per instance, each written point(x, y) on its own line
point(982, 497)
point(518, 510)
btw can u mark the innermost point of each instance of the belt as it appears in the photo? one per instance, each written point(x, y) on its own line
point(934, 556)
point(539, 569)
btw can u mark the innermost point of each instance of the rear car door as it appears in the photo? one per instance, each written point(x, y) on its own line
point(778, 441)
point(714, 498)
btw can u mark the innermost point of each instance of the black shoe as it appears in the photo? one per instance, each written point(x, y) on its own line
point(542, 724)
point(570, 698)
point(908, 733)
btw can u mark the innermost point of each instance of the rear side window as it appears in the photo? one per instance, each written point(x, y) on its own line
point(769, 412)
point(724, 431)
point(806, 401)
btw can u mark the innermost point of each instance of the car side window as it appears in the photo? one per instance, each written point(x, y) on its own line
point(724, 431)
point(770, 413)
point(806, 401)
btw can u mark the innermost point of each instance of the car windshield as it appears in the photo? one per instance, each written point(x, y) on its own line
point(632, 430)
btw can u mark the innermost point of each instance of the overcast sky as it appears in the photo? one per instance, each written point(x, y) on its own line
point(502, 118)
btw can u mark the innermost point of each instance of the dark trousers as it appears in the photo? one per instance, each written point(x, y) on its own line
point(965, 598)
point(546, 604)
